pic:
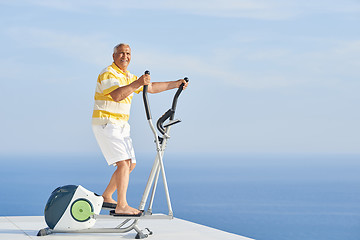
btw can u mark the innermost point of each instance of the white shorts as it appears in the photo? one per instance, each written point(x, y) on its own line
point(115, 142)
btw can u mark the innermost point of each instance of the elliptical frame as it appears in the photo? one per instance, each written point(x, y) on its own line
point(130, 223)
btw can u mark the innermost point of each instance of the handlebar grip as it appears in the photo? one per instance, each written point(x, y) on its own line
point(182, 85)
point(145, 98)
point(146, 86)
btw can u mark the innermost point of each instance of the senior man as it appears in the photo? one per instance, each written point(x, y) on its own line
point(114, 92)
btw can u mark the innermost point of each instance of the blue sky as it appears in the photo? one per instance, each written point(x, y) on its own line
point(266, 76)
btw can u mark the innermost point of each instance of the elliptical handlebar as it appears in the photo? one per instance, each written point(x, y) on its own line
point(168, 114)
point(177, 94)
point(146, 100)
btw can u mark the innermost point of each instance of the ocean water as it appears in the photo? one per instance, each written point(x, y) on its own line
point(270, 197)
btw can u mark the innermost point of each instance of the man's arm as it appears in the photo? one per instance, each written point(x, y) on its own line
point(156, 87)
point(123, 92)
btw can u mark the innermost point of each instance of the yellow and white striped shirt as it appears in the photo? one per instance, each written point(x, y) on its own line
point(106, 110)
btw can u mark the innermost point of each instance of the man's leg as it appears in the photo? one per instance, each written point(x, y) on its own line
point(122, 174)
point(111, 188)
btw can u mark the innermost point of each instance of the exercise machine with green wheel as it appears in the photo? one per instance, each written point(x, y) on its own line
point(73, 208)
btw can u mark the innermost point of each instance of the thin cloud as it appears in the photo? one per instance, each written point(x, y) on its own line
point(88, 48)
point(297, 68)
point(267, 67)
point(259, 9)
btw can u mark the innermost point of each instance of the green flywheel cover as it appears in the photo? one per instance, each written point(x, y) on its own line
point(81, 210)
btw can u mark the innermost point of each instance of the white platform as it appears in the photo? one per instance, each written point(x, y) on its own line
point(14, 228)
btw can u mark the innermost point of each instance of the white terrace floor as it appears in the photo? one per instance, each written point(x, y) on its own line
point(27, 227)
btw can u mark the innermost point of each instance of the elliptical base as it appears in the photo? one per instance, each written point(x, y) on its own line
point(119, 229)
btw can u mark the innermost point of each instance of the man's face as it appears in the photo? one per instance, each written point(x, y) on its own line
point(122, 57)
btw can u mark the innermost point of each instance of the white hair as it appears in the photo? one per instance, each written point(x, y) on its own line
point(119, 45)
